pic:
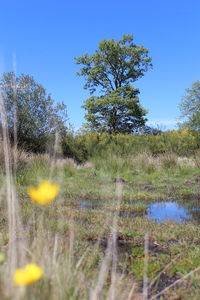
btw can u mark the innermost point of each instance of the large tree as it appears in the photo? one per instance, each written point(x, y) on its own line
point(31, 111)
point(110, 71)
point(190, 108)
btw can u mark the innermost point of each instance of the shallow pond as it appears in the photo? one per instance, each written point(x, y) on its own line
point(177, 211)
point(167, 211)
point(162, 211)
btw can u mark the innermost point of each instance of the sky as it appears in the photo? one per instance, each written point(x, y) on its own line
point(42, 38)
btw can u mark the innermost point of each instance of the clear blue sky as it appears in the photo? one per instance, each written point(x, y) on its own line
point(46, 35)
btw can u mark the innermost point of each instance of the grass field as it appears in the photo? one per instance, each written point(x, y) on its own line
point(95, 241)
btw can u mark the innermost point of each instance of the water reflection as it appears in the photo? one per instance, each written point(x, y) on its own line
point(167, 211)
point(162, 211)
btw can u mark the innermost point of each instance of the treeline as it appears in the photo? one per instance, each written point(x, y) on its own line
point(82, 147)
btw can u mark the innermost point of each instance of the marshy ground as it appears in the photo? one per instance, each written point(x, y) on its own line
point(70, 238)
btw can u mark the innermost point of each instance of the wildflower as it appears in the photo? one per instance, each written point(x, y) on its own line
point(44, 193)
point(27, 275)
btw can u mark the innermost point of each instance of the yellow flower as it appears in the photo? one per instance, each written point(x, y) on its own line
point(44, 193)
point(27, 275)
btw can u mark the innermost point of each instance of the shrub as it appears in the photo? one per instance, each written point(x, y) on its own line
point(180, 142)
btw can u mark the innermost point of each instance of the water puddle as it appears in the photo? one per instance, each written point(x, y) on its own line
point(177, 211)
point(162, 211)
point(88, 204)
point(167, 211)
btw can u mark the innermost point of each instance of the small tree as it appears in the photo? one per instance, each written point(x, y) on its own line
point(110, 71)
point(190, 108)
point(37, 118)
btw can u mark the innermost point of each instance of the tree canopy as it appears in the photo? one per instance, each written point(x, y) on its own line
point(110, 71)
point(116, 112)
point(190, 108)
point(37, 117)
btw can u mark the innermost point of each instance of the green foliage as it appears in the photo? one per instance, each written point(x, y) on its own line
point(111, 70)
point(117, 112)
point(180, 142)
point(82, 147)
point(32, 111)
point(190, 107)
point(74, 147)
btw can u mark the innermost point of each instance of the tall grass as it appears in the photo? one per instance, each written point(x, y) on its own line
point(79, 255)
point(65, 265)
point(15, 254)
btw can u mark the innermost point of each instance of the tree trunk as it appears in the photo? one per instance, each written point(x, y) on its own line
point(114, 119)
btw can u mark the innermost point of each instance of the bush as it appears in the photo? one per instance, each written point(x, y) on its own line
point(82, 147)
point(74, 147)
